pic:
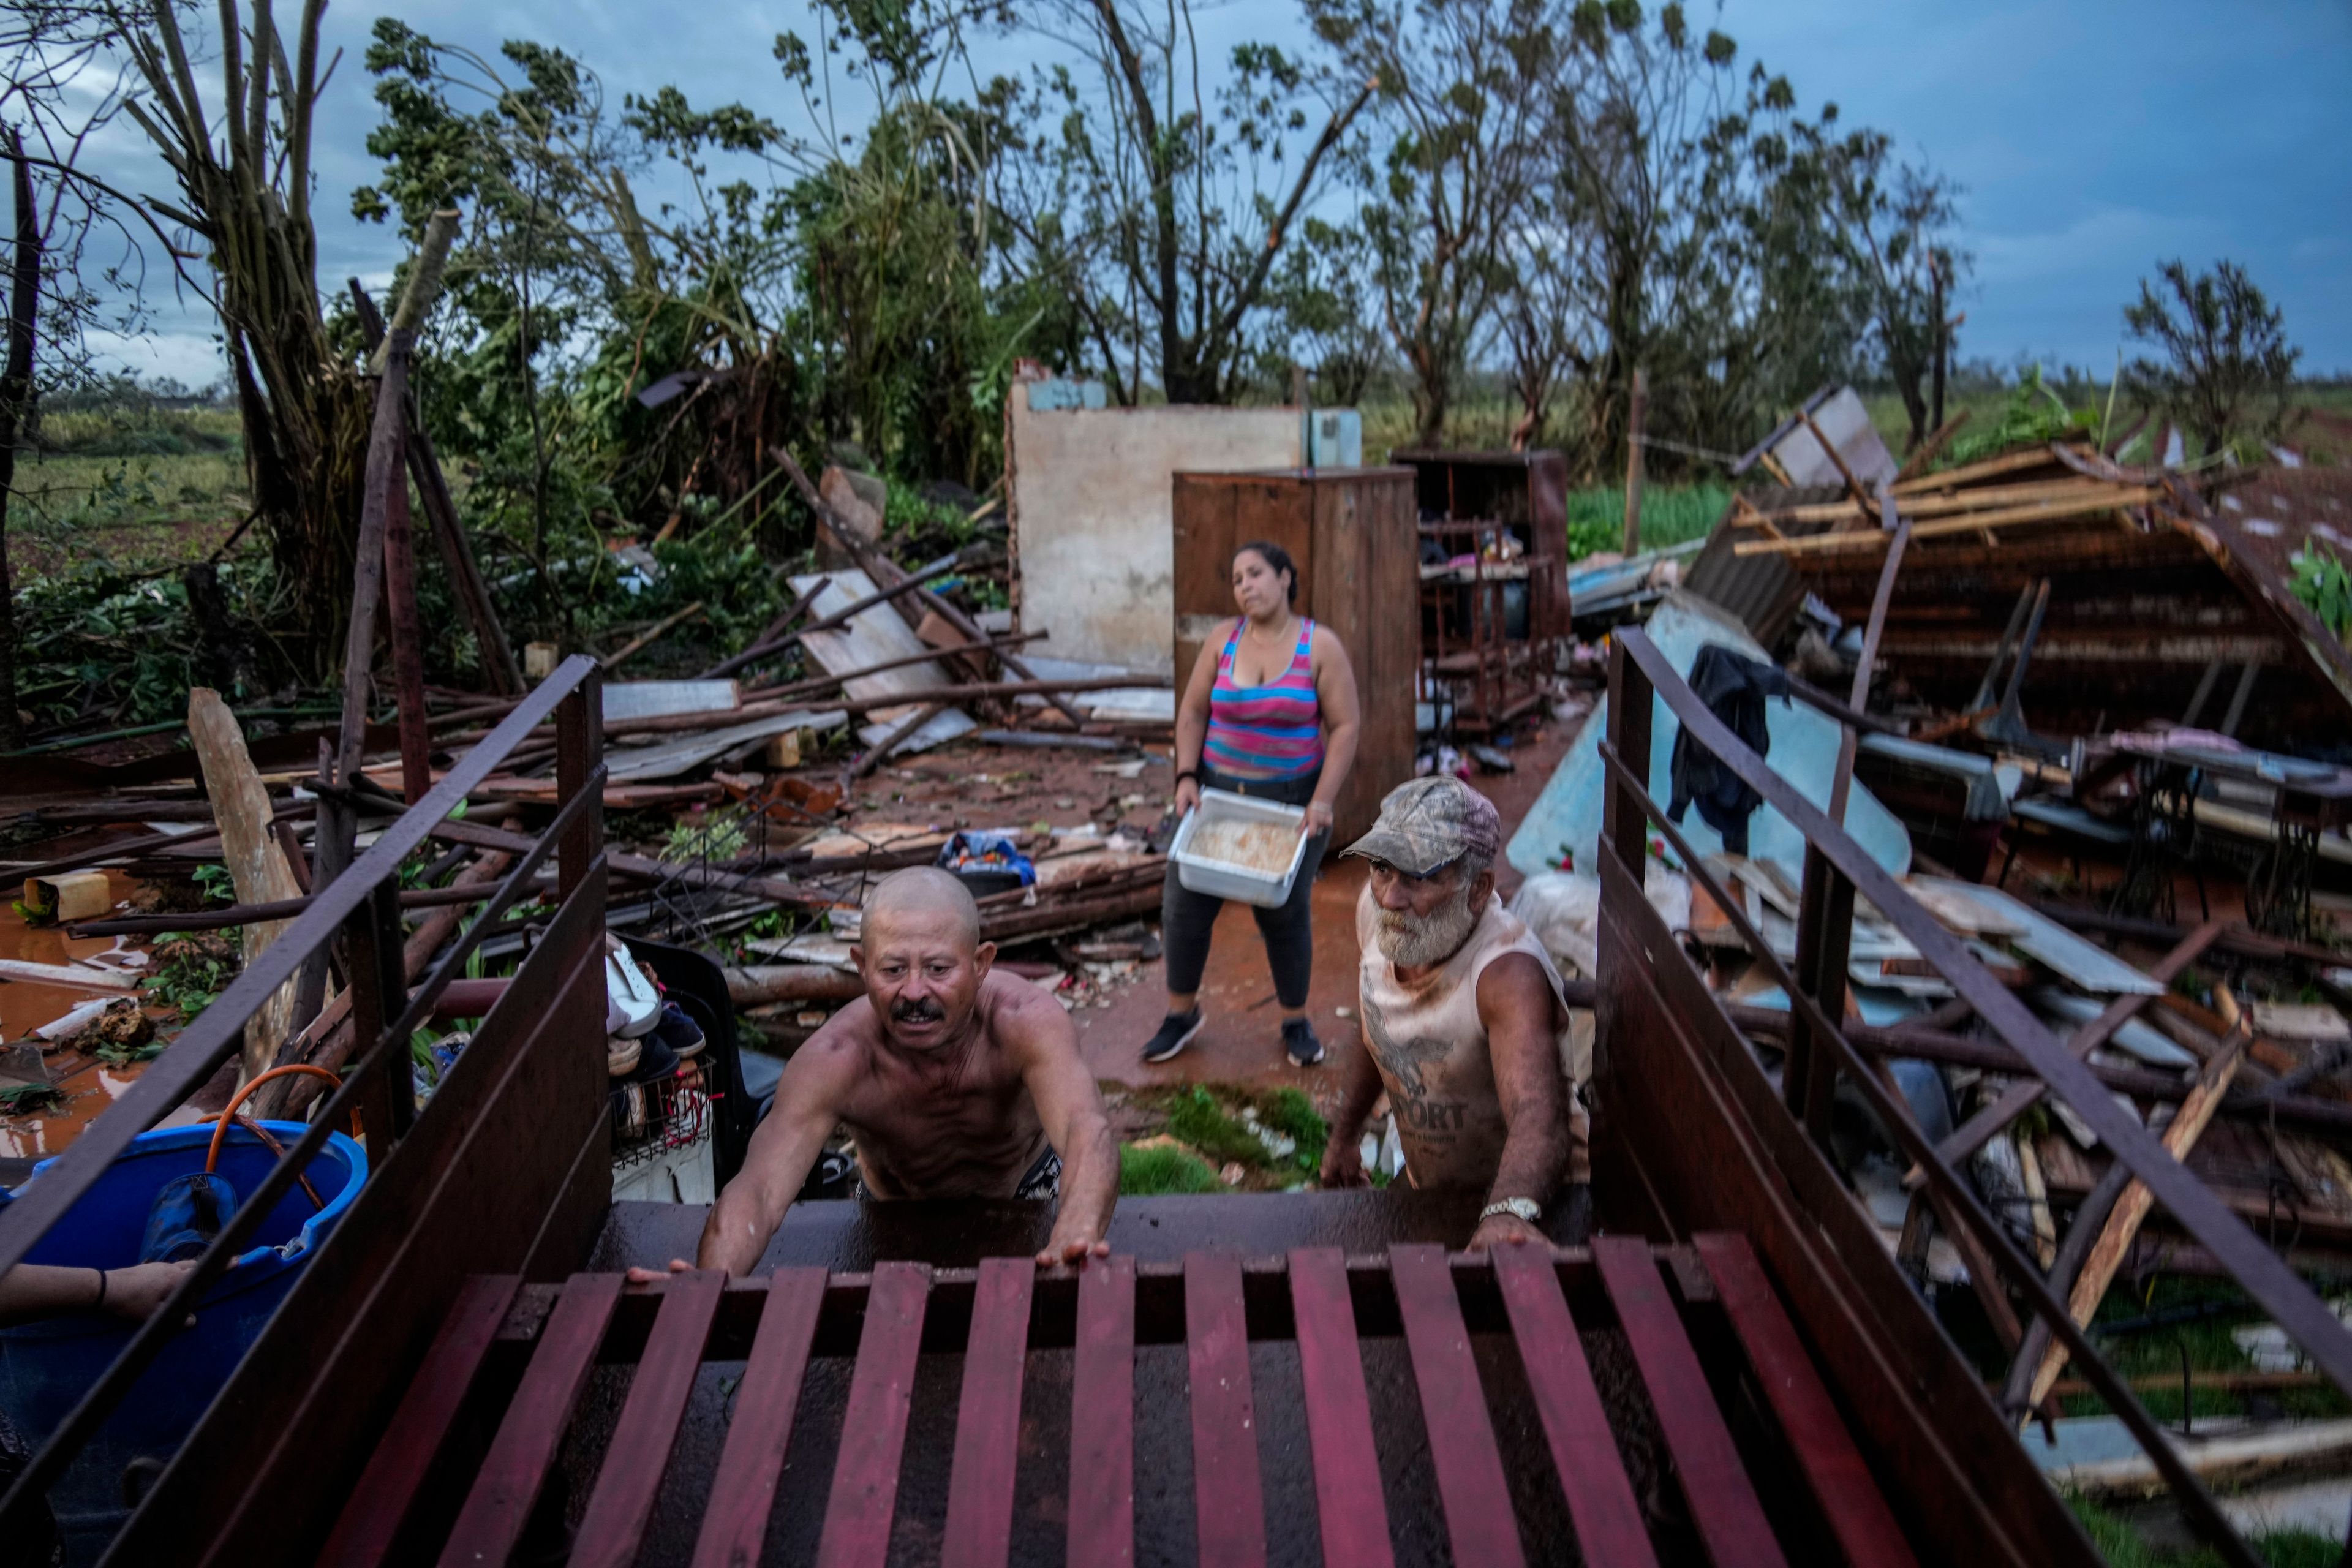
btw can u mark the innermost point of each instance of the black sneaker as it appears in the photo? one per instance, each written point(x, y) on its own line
point(678, 1032)
point(1176, 1032)
point(1298, 1039)
point(655, 1059)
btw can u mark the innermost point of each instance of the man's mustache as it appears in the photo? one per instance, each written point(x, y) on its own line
point(917, 1010)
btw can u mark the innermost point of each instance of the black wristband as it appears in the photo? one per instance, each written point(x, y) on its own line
point(1192, 773)
point(99, 1305)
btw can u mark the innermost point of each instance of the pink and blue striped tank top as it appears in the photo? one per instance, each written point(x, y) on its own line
point(1267, 731)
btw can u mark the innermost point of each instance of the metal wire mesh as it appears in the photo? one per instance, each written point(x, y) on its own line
point(657, 1118)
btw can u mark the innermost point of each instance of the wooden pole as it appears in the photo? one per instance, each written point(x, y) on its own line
point(338, 764)
point(896, 738)
point(667, 623)
point(449, 531)
point(15, 403)
point(1943, 345)
point(1636, 415)
point(407, 632)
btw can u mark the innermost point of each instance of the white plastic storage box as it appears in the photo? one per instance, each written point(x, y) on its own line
point(1223, 878)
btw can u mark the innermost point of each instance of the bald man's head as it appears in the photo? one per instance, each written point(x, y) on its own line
point(925, 891)
point(920, 953)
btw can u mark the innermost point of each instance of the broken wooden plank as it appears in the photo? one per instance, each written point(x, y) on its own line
point(2107, 499)
point(1924, 453)
point(1979, 498)
point(68, 974)
point(2132, 1209)
point(256, 862)
point(1982, 469)
point(1837, 461)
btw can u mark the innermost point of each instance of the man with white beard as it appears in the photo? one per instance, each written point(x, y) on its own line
point(1464, 1025)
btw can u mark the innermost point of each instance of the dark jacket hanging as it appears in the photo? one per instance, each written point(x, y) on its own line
point(1734, 688)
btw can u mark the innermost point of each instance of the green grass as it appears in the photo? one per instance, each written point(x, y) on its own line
point(1670, 514)
point(1195, 1118)
point(2123, 1546)
point(135, 511)
point(2156, 1351)
point(1292, 1114)
point(1147, 1173)
point(127, 429)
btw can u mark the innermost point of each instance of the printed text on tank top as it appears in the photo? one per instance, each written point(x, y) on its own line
point(1430, 1047)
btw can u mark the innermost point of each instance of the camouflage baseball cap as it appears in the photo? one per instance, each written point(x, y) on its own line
point(1429, 822)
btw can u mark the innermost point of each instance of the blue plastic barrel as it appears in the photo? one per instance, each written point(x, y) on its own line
point(47, 1367)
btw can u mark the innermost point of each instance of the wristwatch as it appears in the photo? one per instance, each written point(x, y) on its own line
point(1527, 1209)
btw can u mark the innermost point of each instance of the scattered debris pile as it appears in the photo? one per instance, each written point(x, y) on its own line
point(876, 724)
point(2101, 742)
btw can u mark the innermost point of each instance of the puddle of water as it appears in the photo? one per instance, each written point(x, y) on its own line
point(90, 1087)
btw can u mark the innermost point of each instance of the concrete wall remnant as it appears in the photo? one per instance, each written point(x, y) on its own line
point(1092, 520)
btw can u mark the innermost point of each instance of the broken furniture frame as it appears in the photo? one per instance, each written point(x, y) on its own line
point(521, 1119)
point(1720, 1148)
point(1468, 499)
point(1469, 660)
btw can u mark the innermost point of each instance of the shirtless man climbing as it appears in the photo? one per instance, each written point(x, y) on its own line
point(1465, 1028)
point(957, 1082)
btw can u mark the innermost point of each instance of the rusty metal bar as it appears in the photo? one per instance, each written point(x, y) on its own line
point(580, 769)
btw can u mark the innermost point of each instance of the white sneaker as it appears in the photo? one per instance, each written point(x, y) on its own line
point(632, 1005)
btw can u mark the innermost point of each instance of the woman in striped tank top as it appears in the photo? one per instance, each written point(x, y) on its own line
point(1270, 711)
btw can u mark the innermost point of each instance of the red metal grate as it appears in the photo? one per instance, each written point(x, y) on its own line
point(1003, 1314)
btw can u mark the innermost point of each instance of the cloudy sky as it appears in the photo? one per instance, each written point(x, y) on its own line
point(2093, 138)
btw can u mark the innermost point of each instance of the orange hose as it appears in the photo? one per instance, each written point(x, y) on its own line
point(275, 1147)
point(220, 1132)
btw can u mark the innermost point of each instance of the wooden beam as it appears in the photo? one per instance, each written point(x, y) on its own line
point(1636, 412)
point(1925, 453)
point(1828, 543)
point(258, 866)
point(2022, 1097)
point(1976, 473)
point(2132, 1209)
point(1745, 515)
point(1853, 485)
point(1977, 498)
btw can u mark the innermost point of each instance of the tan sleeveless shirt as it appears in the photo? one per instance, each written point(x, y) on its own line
point(1427, 1042)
